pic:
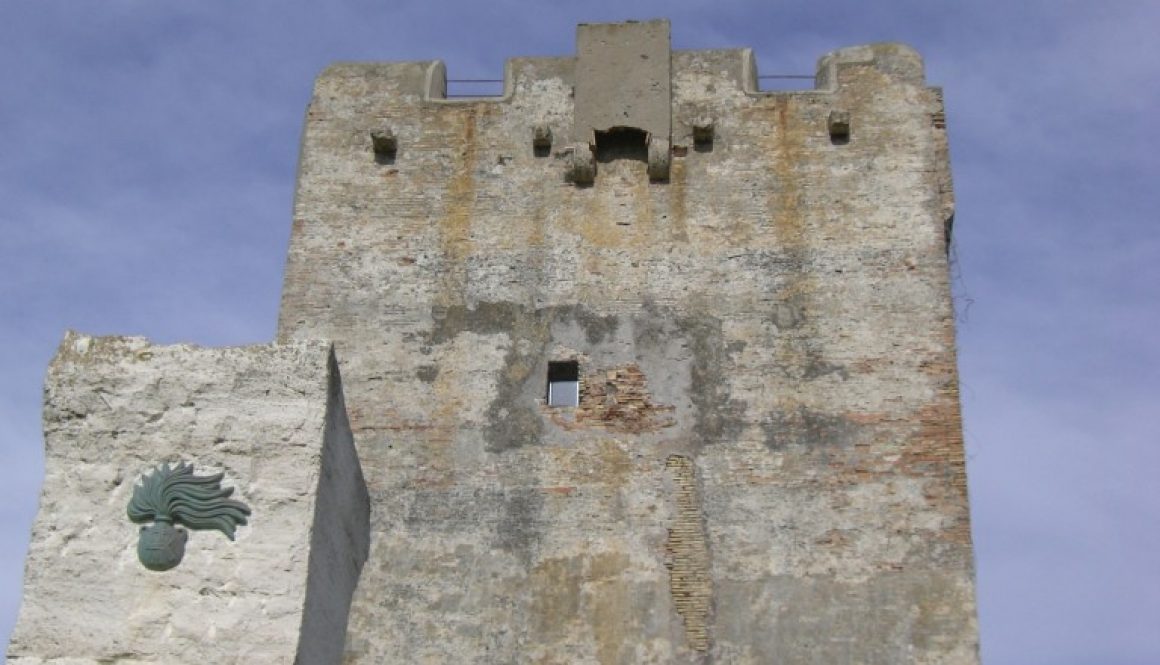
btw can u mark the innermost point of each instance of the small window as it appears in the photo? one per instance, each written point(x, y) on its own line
point(564, 383)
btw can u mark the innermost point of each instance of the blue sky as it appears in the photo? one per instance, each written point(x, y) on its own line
point(147, 156)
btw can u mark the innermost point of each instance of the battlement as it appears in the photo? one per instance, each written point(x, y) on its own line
point(734, 67)
point(625, 89)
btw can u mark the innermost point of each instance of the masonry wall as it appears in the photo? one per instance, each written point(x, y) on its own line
point(269, 418)
point(766, 463)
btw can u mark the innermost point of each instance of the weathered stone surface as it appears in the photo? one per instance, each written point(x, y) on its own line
point(272, 420)
point(765, 462)
point(765, 340)
point(623, 79)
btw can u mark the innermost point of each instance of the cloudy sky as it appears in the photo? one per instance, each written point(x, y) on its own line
point(147, 156)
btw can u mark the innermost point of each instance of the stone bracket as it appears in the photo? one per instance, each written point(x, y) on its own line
point(624, 80)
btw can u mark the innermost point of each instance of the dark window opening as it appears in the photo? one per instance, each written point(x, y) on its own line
point(564, 383)
point(622, 143)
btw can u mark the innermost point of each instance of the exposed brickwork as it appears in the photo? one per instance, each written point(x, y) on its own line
point(687, 555)
point(617, 400)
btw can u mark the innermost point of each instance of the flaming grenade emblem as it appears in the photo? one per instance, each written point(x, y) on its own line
point(174, 496)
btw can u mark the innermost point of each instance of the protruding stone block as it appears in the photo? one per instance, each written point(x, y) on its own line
point(582, 165)
point(659, 158)
point(385, 143)
point(542, 137)
point(271, 420)
point(839, 124)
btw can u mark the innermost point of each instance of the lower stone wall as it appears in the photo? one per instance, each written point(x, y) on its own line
point(269, 419)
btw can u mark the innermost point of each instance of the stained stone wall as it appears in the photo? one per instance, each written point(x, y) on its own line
point(272, 420)
point(766, 463)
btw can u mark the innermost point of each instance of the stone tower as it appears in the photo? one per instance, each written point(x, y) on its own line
point(641, 364)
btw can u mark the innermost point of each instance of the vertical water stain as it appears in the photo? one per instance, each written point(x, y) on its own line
point(455, 223)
